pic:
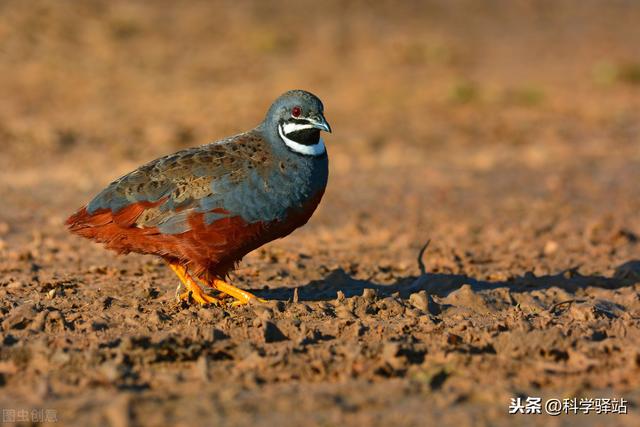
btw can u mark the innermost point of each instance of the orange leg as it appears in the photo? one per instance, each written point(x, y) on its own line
point(193, 290)
point(242, 297)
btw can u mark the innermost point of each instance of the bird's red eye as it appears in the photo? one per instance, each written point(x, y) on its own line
point(296, 111)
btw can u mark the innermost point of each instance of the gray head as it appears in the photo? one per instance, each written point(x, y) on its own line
point(295, 119)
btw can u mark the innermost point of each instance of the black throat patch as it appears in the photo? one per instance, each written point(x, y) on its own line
point(305, 136)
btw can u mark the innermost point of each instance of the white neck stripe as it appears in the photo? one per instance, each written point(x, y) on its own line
point(294, 127)
point(316, 149)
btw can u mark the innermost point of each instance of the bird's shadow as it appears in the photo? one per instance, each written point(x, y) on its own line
point(570, 280)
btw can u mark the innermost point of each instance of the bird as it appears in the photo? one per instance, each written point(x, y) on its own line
point(202, 209)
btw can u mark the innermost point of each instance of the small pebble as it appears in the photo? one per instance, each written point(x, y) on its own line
point(369, 294)
point(550, 247)
point(419, 300)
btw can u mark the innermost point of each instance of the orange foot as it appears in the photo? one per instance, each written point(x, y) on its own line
point(193, 291)
point(242, 297)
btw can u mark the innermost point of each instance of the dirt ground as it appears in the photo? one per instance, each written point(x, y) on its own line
point(505, 132)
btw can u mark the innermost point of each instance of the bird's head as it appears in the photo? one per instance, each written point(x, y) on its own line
point(295, 119)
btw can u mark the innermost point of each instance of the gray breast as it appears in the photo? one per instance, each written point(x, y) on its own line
point(268, 195)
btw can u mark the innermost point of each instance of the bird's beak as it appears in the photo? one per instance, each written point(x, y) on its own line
point(320, 122)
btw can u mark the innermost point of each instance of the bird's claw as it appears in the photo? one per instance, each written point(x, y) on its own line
point(199, 297)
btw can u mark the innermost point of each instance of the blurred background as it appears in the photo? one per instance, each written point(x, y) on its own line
point(506, 131)
point(437, 106)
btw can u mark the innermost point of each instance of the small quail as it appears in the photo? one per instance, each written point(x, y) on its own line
point(202, 209)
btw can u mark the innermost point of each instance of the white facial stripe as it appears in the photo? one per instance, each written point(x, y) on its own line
point(294, 127)
point(308, 150)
